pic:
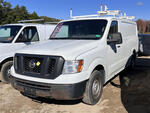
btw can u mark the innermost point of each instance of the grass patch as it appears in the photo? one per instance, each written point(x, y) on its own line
point(147, 33)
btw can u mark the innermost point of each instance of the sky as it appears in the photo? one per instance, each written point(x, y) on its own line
point(60, 8)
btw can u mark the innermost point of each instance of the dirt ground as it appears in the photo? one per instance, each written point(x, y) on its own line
point(127, 93)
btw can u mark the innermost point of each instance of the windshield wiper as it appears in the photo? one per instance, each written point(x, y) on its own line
point(74, 38)
point(59, 38)
point(4, 41)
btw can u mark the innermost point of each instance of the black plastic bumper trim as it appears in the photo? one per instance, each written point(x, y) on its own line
point(53, 91)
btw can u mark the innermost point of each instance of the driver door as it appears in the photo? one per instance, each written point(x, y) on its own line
point(113, 52)
point(28, 36)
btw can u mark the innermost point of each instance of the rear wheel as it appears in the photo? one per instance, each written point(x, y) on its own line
point(5, 72)
point(132, 62)
point(94, 88)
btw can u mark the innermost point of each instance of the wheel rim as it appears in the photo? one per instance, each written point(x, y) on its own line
point(96, 87)
point(8, 73)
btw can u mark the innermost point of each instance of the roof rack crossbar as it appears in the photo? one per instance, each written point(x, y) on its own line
point(34, 20)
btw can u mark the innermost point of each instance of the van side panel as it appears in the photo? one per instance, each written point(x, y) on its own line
point(128, 30)
point(45, 31)
point(41, 32)
point(49, 30)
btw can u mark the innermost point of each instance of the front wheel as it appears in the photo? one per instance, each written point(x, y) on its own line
point(5, 72)
point(94, 88)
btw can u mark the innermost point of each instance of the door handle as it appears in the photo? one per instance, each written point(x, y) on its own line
point(118, 46)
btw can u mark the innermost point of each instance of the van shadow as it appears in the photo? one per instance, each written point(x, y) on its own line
point(52, 101)
point(135, 87)
point(57, 102)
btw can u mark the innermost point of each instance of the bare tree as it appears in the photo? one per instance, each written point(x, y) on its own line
point(143, 26)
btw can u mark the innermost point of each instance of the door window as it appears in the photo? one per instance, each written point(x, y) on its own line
point(29, 34)
point(113, 28)
point(8, 33)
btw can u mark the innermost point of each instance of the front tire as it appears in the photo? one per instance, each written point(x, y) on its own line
point(94, 88)
point(5, 72)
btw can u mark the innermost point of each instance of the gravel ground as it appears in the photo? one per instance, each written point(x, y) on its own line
point(129, 92)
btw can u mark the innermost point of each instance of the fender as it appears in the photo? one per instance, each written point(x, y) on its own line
point(4, 61)
point(96, 62)
point(5, 57)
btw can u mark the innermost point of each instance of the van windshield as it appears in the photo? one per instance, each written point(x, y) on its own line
point(8, 33)
point(81, 29)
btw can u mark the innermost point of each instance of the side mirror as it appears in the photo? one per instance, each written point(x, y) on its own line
point(115, 38)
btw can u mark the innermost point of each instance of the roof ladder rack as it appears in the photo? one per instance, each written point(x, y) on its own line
point(105, 12)
point(51, 22)
point(34, 20)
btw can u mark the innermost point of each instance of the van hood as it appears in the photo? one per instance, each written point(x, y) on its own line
point(5, 47)
point(68, 49)
point(4, 44)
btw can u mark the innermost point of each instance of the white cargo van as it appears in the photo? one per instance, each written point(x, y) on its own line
point(14, 37)
point(82, 54)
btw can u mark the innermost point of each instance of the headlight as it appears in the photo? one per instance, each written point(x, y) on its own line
point(71, 67)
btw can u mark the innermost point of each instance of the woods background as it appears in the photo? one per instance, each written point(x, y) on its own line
point(13, 15)
point(143, 26)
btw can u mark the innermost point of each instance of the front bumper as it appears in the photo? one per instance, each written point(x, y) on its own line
point(62, 79)
point(53, 91)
